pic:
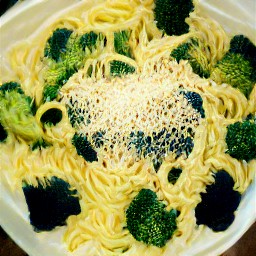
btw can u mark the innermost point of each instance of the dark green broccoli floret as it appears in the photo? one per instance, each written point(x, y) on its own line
point(3, 133)
point(193, 50)
point(88, 40)
point(120, 68)
point(98, 139)
point(148, 220)
point(159, 144)
point(17, 112)
point(76, 115)
point(56, 44)
point(77, 49)
point(243, 45)
point(84, 148)
point(196, 101)
point(51, 116)
point(216, 210)
point(174, 174)
point(238, 65)
point(11, 86)
point(241, 140)
point(170, 15)
point(51, 204)
point(121, 40)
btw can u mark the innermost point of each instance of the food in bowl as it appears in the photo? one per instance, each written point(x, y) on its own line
point(132, 124)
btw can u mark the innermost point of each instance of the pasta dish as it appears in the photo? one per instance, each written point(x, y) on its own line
point(131, 123)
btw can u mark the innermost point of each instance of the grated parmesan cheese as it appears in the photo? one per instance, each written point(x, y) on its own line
point(114, 113)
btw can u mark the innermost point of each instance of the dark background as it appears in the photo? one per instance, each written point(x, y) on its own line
point(4, 5)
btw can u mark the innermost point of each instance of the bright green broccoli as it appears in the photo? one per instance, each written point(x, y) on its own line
point(17, 114)
point(241, 140)
point(120, 68)
point(121, 43)
point(243, 45)
point(50, 92)
point(65, 54)
point(238, 65)
point(148, 221)
point(194, 51)
point(170, 15)
point(88, 40)
point(84, 148)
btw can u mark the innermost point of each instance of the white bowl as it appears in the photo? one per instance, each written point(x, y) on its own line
point(22, 20)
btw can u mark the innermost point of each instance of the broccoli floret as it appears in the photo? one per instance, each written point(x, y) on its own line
point(148, 220)
point(159, 144)
point(3, 133)
point(98, 139)
point(76, 115)
point(196, 101)
point(50, 92)
point(235, 70)
point(14, 86)
point(174, 174)
point(193, 50)
point(51, 116)
point(183, 145)
point(84, 148)
point(139, 141)
point(120, 68)
point(57, 43)
point(121, 40)
point(88, 40)
point(50, 203)
point(16, 113)
point(11, 86)
point(243, 45)
point(241, 140)
point(72, 58)
point(57, 75)
point(170, 15)
point(216, 210)
point(238, 65)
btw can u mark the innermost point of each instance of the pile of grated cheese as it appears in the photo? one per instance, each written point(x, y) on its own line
point(111, 111)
